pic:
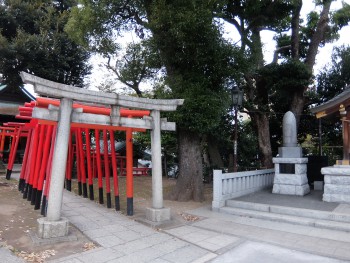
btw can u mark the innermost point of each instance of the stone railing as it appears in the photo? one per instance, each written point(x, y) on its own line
point(231, 185)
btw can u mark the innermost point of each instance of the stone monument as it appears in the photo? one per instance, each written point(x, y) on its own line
point(290, 166)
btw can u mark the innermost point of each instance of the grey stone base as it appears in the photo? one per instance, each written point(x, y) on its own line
point(339, 192)
point(290, 152)
point(290, 179)
point(52, 229)
point(337, 184)
point(285, 189)
point(337, 179)
point(337, 198)
point(157, 215)
point(48, 241)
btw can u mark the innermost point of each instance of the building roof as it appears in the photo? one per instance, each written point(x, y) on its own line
point(10, 100)
point(15, 94)
point(342, 100)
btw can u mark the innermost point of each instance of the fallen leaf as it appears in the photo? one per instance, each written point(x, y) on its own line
point(89, 246)
point(189, 217)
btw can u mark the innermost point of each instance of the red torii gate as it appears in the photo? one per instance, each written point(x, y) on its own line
point(16, 131)
point(32, 187)
point(67, 115)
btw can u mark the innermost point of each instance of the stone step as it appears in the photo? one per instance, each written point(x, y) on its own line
point(283, 210)
point(283, 218)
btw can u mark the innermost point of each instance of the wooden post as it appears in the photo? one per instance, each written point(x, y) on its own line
point(99, 166)
point(38, 163)
point(129, 173)
point(89, 166)
point(107, 172)
point(25, 162)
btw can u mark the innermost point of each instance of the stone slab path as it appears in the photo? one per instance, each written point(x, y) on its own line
point(214, 238)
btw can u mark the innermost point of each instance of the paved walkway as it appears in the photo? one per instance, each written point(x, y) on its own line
point(214, 237)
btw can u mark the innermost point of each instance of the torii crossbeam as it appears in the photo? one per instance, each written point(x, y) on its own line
point(53, 225)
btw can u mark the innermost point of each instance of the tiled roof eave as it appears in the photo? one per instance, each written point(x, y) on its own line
point(333, 103)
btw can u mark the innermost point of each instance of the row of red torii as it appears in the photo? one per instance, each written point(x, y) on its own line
point(67, 115)
point(100, 161)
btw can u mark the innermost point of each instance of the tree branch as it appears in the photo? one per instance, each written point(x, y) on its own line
point(295, 29)
point(318, 35)
point(277, 51)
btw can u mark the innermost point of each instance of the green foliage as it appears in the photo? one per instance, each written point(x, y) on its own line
point(258, 13)
point(82, 20)
point(95, 24)
point(286, 77)
point(33, 40)
point(247, 148)
point(331, 81)
point(341, 17)
point(335, 77)
point(197, 59)
point(140, 63)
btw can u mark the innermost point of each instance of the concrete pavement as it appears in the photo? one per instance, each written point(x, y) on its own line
point(215, 237)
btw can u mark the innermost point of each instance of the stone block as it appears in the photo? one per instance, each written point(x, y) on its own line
point(283, 189)
point(300, 168)
point(336, 170)
point(291, 189)
point(339, 198)
point(290, 152)
point(337, 189)
point(51, 229)
point(277, 168)
point(318, 185)
point(157, 215)
point(302, 189)
point(327, 179)
point(290, 179)
point(337, 179)
point(289, 160)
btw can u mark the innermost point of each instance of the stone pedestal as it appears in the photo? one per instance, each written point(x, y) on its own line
point(290, 176)
point(52, 229)
point(336, 183)
point(158, 215)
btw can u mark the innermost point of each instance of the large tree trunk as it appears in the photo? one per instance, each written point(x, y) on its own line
point(297, 105)
point(318, 35)
point(298, 101)
point(295, 28)
point(263, 127)
point(189, 185)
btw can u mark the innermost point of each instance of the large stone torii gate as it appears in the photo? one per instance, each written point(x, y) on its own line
point(54, 225)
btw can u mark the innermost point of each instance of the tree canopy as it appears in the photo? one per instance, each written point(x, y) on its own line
point(32, 39)
point(201, 66)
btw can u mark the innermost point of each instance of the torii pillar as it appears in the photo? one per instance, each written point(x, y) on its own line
point(157, 212)
point(54, 225)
